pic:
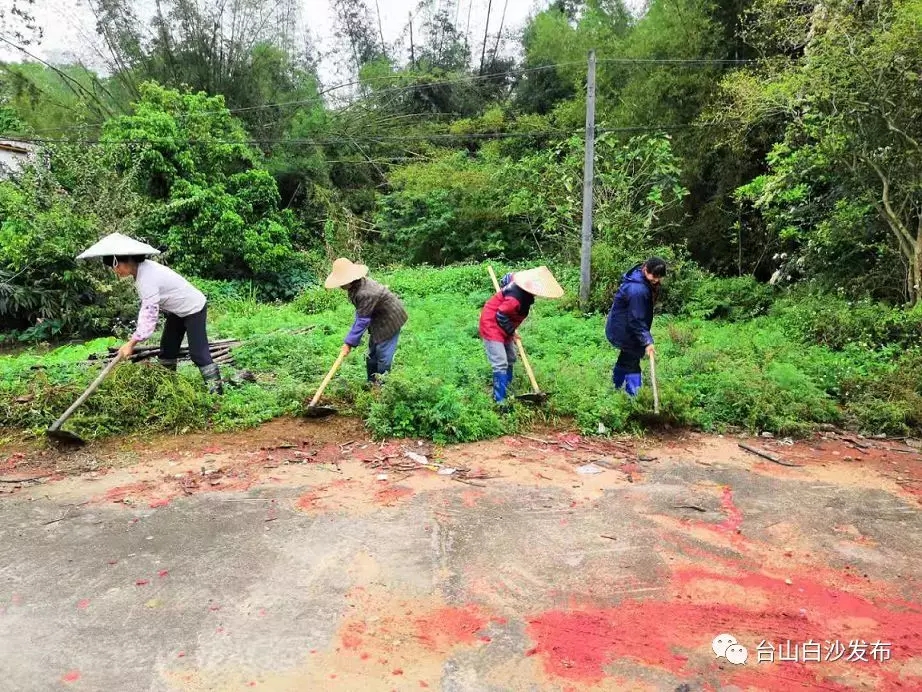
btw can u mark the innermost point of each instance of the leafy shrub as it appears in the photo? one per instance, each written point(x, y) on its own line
point(886, 398)
point(420, 282)
point(287, 282)
point(409, 406)
point(318, 299)
point(836, 323)
point(214, 209)
point(221, 291)
point(48, 215)
point(736, 298)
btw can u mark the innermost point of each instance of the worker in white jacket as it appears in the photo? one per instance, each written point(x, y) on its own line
point(161, 289)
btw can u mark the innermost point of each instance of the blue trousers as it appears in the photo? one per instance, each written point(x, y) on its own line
point(381, 356)
point(627, 373)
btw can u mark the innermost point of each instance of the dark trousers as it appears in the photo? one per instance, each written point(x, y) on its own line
point(629, 361)
point(176, 328)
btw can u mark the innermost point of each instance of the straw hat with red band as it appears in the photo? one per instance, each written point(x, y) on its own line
point(345, 272)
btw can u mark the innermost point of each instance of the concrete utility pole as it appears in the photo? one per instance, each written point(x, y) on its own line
point(412, 47)
point(380, 29)
point(486, 29)
point(588, 175)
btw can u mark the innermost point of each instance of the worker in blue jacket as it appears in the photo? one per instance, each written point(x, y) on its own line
point(630, 320)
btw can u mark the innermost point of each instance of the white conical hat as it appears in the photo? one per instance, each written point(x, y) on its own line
point(539, 282)
point(118, 244)
point(345, 272)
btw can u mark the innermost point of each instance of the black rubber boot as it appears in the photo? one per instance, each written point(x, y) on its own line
point(212, 376)
point(371, 370)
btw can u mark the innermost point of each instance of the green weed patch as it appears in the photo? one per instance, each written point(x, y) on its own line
point(757, 374)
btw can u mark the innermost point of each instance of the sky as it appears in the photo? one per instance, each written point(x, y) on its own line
point(69, 26)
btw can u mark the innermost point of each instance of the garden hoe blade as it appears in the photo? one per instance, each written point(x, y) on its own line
point(313, 410)
point(69, 438)
point(65, 438)
point(534, 397)
point(319, 411)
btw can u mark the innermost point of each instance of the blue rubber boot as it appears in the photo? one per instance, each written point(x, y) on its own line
point(500, 382)
point(509, 376)
point(618, 375)
point(632, 383)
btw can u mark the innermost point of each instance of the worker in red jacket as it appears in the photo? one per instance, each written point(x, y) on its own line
point(504, 312)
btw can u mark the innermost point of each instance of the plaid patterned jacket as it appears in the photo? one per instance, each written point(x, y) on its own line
point(375, 301)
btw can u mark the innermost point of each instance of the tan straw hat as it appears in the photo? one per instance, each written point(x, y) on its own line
point(345, 272)
point(539, 282)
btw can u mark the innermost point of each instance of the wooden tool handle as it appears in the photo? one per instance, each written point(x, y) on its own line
point(518, 343)
point(653, 380)
point(493, 276)
point(326, 380)
point(86, 394)
point(527, 364)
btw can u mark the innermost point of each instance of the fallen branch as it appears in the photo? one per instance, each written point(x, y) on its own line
point(461, 480)
point(21, 480)
point(900, 451)
point(60, 518)
point(611, 538)
point(694, 507)
point(535, 439)
point(859, 445)
point(766, 455)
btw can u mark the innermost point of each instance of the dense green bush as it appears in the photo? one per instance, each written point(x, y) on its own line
point(736, 298)
point(838, 323)
point(49, 213)
point(215, 210)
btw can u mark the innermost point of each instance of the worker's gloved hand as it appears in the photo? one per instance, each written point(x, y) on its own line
point(126, 351)
point(651, 351)
point(345, 350)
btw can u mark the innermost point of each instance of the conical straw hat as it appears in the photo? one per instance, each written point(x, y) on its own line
point(539, 282)
point(118, 244)
point(345, 272)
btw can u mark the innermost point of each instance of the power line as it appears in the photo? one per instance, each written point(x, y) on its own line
point(379, 92)
point(445, 82)
point(367, 139)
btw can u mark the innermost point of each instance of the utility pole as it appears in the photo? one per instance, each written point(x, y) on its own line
point(498, 35)
point(486, 28)
point(588, 175)
point(380, 29)
point(412, 47)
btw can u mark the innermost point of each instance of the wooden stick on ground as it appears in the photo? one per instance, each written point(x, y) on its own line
point(767, 455)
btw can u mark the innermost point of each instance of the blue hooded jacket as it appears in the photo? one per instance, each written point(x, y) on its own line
point(631, 314)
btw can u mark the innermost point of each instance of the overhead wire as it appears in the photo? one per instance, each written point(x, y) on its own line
point(316, 100)
point(348, 139)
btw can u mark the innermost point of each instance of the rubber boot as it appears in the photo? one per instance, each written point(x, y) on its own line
point(500, 383)
point(212, 376)
point(168, 363)
point(371, 371)
point(618, 374)
point(632, 383)
point(509, 374)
